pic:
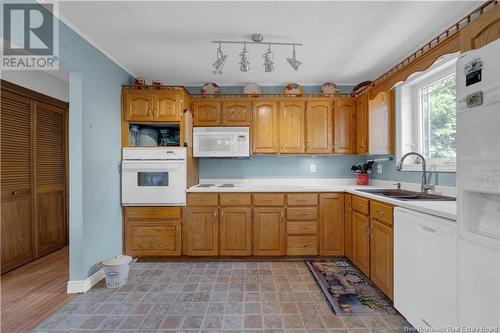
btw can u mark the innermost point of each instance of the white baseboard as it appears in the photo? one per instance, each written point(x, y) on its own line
point(82, 286)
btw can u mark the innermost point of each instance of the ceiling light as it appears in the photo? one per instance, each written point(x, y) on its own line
point(294, 62)
point(244, 63)
point(268, 60)
point(221, 59)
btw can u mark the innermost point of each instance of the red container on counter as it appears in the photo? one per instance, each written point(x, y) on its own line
point(362, 179)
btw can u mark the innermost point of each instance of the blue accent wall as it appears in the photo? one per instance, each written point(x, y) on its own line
point(269, 89)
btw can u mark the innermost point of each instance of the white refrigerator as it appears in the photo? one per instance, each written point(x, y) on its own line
point(478, 183)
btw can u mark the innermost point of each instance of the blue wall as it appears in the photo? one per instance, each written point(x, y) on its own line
point(268, 89)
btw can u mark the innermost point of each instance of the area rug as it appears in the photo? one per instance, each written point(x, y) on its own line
point(349, 291)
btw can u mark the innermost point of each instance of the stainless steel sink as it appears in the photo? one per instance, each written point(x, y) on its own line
point(407, 195)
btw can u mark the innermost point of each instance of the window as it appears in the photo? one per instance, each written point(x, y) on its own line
point(426, 113)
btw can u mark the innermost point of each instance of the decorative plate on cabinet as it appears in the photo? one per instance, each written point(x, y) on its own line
point(209, 88)
point(329, 88)
point(252, 89)
point(293, 89)
point(359, 88)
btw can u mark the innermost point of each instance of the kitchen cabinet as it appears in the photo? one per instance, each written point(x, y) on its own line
point(167, 106)
point(235, 231)
point(381, 256)
point(148, 105)
point(319, 127)
point(207, 113)
point(344, 126)
point(269, 231)
point(202, 231)
point(361, 242)
point(236, 113)
point(381, 124)
point(331, 224)
point(265, 127)
point(348, 226)
point(291, 127)
point(138, 105)
point(362, 124)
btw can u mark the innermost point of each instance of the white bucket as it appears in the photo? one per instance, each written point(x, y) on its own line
point(116, 271)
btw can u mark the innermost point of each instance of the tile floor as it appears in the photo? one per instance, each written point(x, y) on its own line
point(212, 297)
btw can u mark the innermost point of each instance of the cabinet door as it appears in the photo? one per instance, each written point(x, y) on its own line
point(361, 242)
point(139, 105)
point(348, 226)
point(269, 231)
point(206, 113)
point(236, 113)
point(202, 231)
point(362, 124)
point(381, 257)
point(344, 126)
point(319, 127)
point(291, 123)
point(381, 124)
point(331, 228)
point(265, 127)
point(153, 238)
point(235, 232)
point(167, 106)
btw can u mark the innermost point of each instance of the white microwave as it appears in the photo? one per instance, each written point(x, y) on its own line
point(221, 142)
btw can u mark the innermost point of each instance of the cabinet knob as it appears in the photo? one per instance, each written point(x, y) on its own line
point(14, 193)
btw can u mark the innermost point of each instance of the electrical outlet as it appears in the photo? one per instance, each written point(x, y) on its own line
point(379, 168)
point(313, 168)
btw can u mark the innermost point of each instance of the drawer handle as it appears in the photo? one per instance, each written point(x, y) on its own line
point(14, 193)
point(380, 212)
point(302, 200)
point(202, 199)
point(268, 200)
point(234, 200)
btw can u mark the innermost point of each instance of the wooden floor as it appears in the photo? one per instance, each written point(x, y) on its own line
point(31, 293)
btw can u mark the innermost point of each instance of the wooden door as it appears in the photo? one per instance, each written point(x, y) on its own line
point(291, 124)
point(362, 124)
point(331, 226)
point(236, 113)
point(153, 238)
point(167, 106)
point(265, 127)
point(361, 242)
point(206, 113)
point(269, 231)
point(202, 231)
point(381, 124)
point(348, 226)
point(344, 126)
point(319, 127)
point(381, 256)
point(50, 177)
point(17, 242)
point(235, 232)
point(139, 105)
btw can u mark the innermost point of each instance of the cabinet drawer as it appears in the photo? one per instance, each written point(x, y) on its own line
point(360, 204)
point(235, 199)
point(153, 238)
point(302, 213)
point(302, 199)
point(203, 199)
point(302, 245)
point(153, 212)
point(301, 228)
point(381, 212)
point(269, 199)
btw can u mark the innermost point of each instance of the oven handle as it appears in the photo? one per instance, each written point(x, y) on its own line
point(148, 165)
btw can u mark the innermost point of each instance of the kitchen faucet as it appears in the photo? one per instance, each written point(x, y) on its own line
point(424, 187)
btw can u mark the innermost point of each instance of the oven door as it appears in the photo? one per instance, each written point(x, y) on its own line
point(158, 182)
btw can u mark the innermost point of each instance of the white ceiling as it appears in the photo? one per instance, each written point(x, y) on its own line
point(344, 42)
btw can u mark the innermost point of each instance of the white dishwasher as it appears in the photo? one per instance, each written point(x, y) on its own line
point(425, 269)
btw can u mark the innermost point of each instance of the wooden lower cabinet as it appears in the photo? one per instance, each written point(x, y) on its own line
point(303, 245)
point(269, 231)
point(202, 231)
point(348, 226)
point(235, 231)
point(331, 224)
point(381, 256)
point(361, 242)
point(153, 238)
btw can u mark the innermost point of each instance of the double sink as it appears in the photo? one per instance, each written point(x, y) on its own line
point(404, 195)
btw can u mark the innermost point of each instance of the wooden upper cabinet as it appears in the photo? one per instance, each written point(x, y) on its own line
point(344, 126)
point(202, 231)
point(207, 113)
point(362, 124)
point(236, 113)
point(167, 106)
point(381, 124)
point(138, 105)
point(269, 231)
point(483, 30)
point(291, 123)
point(331, 224)
point(381, 257)
point(361, 242)
point(319, 127)
point(235, 232)
point(265, 127)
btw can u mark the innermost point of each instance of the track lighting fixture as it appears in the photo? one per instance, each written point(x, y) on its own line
point(221, 59)
point(268, 60)
point(293, 61)
point(244, 63)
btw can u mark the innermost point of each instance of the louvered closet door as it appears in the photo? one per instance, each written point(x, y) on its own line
point(50, 177)
point(16, 166)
